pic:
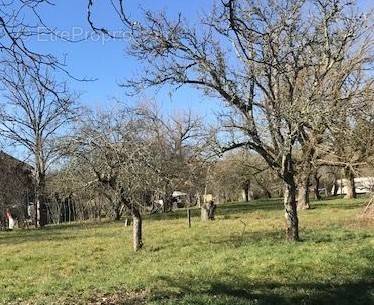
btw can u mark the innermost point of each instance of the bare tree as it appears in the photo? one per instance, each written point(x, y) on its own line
point(115, 147)
point(305, 160)
point(317, 184)
point(184, 144)
point(278, 65)
point(33, 116)
point(21, 23)
point(348, 144)
point(242, 175)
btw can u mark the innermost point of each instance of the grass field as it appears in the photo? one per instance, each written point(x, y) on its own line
point(240, 258)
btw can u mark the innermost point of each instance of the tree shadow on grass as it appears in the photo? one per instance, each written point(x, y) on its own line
point(238, 291)
point(278, 236)
point(343, 206)
point(255, 205)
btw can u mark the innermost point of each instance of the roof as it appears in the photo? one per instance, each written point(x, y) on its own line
point(14, 161)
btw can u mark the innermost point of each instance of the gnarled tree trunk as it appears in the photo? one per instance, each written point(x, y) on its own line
point(292, 221)
point(303, 201)
point(317, 186)
point(290, 203)
point(350, 187)
point(137, 230)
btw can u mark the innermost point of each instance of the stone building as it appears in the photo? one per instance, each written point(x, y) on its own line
point(16, 185)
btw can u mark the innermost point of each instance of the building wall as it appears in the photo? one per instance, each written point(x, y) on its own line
point(15, 184)
point(363, 185)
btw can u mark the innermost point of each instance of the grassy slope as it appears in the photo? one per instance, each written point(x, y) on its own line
point(241, 258)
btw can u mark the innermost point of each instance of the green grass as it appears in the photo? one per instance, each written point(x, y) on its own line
point(241, 258)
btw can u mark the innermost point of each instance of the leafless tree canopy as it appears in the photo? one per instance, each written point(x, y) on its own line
point(20, 24)
point(284, 68)
point(115, 150)
point(294, 76)
point(34, 110)
point(33, 116)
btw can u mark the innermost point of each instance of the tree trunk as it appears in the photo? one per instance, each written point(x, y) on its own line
point(292, 222)
point(290, 203)
point(36, 211)
point(39, 184)
point(69, 209)
point(350, 187)
point(189, 217)
point(268, 194)
point(137, 230)
point(127, 222)
point(117, 213)
point(40, 216)
point(37, 199)
point(204, 213)
point(303, 201)
point(316, 187)
point(168, 199)
point(246, 190)
point(198, 198)
point(336, 186)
